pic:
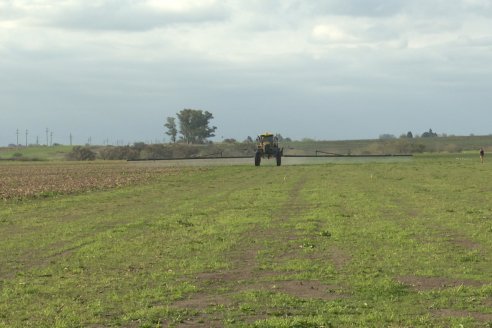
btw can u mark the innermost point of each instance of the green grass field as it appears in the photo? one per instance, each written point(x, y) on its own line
point(368, 244)
point(41, 153)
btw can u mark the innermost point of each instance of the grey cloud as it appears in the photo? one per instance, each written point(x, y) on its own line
point(328, 7)
point(7, 12)
point(359, 7)
point(121, 15)
point(132, 17)
point(381, 8)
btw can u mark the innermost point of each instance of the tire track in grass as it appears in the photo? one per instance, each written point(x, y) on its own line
point(218, 289)
point(436, 233)
point(405, 209)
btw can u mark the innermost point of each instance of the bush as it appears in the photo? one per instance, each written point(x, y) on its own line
point(156, 152)
point(80, 153)
point(452, 148)
point(120, 153)
point(184, 150)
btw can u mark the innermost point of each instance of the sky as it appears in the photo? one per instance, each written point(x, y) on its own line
point(112, 71)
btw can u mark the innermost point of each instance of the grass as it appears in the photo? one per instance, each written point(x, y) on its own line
point(339, 244)
point(41, 153)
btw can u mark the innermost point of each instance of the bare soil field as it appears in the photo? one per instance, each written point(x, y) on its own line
point(21, 180)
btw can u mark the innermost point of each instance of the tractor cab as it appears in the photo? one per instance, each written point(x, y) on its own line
point(267, 140)
point(267, 147)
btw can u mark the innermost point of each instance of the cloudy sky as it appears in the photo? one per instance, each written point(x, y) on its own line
point(324, 69)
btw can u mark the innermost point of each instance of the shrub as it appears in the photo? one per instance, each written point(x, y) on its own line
point(156, 152)
point(184, 150)
point(80, 153)
point(120, 153)
point(452, 148)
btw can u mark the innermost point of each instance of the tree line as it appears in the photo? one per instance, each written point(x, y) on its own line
point(409, 135)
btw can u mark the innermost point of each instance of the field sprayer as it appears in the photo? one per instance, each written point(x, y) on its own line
point(267, 147)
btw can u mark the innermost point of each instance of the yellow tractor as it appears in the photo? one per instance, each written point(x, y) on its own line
point(267, 147)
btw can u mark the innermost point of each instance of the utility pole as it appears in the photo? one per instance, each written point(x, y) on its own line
point(37, 140)
point(51, 140)
point(70, 138)
point(47, 143)
point(27, 132)
point(17, 144)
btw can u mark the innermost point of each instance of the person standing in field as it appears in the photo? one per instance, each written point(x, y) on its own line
point(482, 153)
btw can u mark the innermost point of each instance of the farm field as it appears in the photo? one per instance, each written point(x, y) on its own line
point(366, 243)
point(40, 179)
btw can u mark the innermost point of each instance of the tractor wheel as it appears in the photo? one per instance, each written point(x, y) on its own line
point(257, 159)
point(279, 159)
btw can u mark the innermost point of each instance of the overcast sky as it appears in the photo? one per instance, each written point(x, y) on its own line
point(324, 69)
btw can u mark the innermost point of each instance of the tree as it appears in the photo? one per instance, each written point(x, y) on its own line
point(80, 153)
point(386, 136)
point(194, 125)
point(408, 135)
point(429, 134)
point(248, 140)
point(172, 131)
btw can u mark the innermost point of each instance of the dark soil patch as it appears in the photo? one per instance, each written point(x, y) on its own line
point(201, 301)
point(306, 289)
point(464, 243)
point(339, 258)
point(201, 321)
point(447, 313)
point(429, 283)
point(297, 288)
point(240, 276)
point(335, 256)
point(458, 239)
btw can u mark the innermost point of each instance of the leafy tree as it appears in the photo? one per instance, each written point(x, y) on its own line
point(194, 125)
point(429, 134)
point(139, 145)
point(386, 136)
point(408, 135)
point(248, 140)
point(172, 131)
